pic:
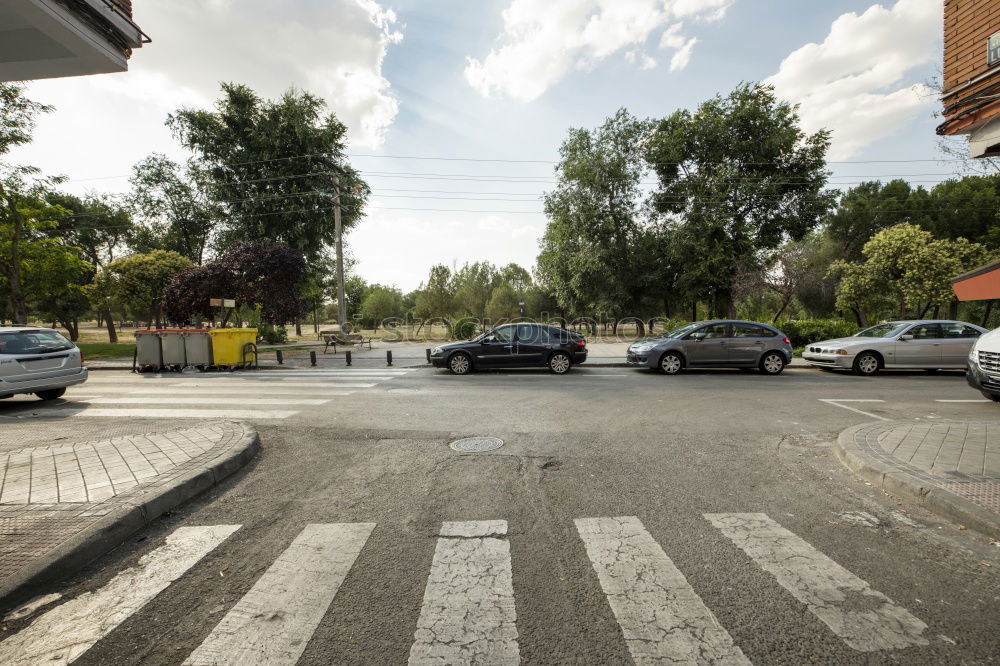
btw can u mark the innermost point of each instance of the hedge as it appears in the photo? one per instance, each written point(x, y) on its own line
point(807, 331)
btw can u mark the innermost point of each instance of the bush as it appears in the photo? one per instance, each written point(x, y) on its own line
point(272, 335)
point(807, 331)
point(464, 328)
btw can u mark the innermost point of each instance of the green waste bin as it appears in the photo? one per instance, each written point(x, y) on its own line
point(147, 350)
point(228, 345)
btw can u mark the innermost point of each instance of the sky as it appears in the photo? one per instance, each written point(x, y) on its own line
point(456, 109)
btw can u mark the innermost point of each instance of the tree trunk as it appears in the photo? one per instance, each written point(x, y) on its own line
point(860, 316)
point(781, 309)
point(640, 328)
point(694, 311)
point(986, 315)
point(315, 319)
point(109, 321)
point(419, 328)
point(159, 317)
point(924, 311)
point(953, 310)
point(298, 327)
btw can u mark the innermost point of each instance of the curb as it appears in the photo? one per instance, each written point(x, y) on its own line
point(898, 482)
point(111, 530)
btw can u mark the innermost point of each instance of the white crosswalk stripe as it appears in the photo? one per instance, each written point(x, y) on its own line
point(274, 621)
point(468, 613)
point(662, 618)
point(64, 633)
point(259, 395)
point(865, 619)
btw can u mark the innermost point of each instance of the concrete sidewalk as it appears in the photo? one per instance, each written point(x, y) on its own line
point(950, 467)
point(62, 506)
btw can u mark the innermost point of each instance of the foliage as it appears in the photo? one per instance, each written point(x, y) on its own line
point(473, 285)
point(272, 166)
point(464, 328)
point(18, 116)
point(140, 279)
point(380, 304)
point(272, 334)
point(436, 297)
point(807, 331)
point(503, 303)
point(865, 210)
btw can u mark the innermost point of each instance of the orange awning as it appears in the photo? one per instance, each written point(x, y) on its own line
point(981, 284)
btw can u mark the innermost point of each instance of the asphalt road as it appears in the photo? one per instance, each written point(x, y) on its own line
point(644, 518)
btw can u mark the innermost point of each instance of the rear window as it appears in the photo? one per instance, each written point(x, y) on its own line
point(33, 342)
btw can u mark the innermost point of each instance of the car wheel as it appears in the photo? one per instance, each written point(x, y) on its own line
point(559, 363)
point(772, 363)
point(50, 394)
point(460, 364)
point(671, 363)
point(866, 364)
point(991, 396)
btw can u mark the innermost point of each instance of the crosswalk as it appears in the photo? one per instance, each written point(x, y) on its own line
point(253, 395)
point(468, 614)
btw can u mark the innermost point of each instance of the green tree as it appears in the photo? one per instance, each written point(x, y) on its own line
point(592, 250)
point(473, 287)
point(737, 178)
point(56, 279)
point(865, 210)
point(140, 279)
point(436, 297)
point(380, 304)
point(274, 167)
point(965, 208)
point(503, 303)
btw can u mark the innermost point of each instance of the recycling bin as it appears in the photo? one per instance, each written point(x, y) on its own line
point(172, 348)
point(147, 350)
point(198, 347)
point(228, 344)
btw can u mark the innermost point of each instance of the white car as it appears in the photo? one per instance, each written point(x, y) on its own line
point(983, 370)
point(39, 361)
point(927, 344)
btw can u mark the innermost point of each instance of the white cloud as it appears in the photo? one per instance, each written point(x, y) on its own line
point(543, 40)
point(104, 124)
point(854, 82)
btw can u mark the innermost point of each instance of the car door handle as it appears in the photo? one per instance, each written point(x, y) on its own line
point(508, 346)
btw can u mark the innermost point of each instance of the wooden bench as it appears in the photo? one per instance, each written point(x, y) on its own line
point(344, 341)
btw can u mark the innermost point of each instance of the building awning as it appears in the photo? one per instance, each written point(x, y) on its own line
point(981, 284)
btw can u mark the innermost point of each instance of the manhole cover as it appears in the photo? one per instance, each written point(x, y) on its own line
point(476, 444)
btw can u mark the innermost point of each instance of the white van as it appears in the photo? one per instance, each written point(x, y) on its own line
point(983, 369)
point(39, 361)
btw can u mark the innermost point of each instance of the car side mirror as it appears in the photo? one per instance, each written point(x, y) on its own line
point(699, 336)
point(906, 337)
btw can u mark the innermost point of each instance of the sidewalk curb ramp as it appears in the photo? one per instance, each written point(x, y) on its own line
point(148, 503)
point(896, 480)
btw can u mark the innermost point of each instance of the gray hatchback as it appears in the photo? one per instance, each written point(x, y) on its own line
point(714, 344)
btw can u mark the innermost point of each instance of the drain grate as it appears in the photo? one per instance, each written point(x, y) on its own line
point(476, 444)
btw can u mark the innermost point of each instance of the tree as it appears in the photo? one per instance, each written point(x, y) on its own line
point(174, 204)
point(274, 167)
point(865, 210)
point(737, 178)
point(381, 303)
point(473, 287)
point(140, 280)
point(437, 295)
point(591, 252)
point(965, 208)
point(503, 303)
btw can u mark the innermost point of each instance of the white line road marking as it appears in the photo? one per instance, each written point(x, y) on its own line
point(171, 413)
point(167, 390)
point(865, 619)
point(468, 613)
point(836, 402)
point(63, 634)
point(234, 383)
point(662, 618)
point(273, 622)
point(973, 400)
point(204, 401)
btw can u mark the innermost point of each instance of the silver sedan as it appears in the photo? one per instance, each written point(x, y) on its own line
point(914, 344)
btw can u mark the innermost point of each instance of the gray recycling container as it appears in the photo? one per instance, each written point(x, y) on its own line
point(172, 346)
point(198, 348)
point(147, 350)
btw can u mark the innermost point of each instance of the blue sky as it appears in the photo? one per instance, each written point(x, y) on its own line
point(500, 80)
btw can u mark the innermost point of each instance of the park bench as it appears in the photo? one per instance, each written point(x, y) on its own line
point(337, 338)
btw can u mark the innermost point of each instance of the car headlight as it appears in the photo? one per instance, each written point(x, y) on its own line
point(642, 348)
point(437, 351)
point(973, 356)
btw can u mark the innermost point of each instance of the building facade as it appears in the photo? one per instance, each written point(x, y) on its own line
point(41, 39)
point(971, 94)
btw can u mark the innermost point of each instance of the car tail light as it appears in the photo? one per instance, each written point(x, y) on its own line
point(81, 358)
point(787, 341)
point(581, 343)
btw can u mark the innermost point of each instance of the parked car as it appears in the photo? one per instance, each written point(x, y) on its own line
point(914, 344)
point(983, 365)
point(514, 346)
point(39, 361)
point(707, 344)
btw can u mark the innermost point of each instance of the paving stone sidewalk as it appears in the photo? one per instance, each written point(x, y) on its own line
point(61, 506)
point(952, 467)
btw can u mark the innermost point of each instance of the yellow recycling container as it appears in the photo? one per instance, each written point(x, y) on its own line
point(228, 344)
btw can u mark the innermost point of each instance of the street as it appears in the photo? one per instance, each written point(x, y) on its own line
point(627, 517)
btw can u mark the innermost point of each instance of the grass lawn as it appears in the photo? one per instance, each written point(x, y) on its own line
point(105, 350)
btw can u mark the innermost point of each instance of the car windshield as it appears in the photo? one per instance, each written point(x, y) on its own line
point(886, 330)
point(33, 342)
point(682, 331)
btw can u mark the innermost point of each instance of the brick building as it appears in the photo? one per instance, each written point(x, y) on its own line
point(971, 95)
point(41, 39)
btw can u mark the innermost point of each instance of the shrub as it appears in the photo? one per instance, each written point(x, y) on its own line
point(807, 331)
point(272, 335)
point(464, 328)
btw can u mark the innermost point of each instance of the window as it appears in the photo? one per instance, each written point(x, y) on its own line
point(713, 331)
point(881, 331)
point(503, 334)
point(528, 333)
point(993, 50)
point(750, 331)
point(33, 342)
point(955, 330)
point(925, 331)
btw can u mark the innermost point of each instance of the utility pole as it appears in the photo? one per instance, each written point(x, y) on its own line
point(339, 231)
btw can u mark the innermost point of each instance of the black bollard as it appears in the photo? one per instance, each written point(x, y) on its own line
point(428, 351)
point(281, 361)
point(348, 356)
point(312, 358)
point(388, 357)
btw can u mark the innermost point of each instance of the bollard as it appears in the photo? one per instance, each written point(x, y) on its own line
point(312, 358)
point(281, 360)
point(388, 357)
point(347, 355)
point(428, 351)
